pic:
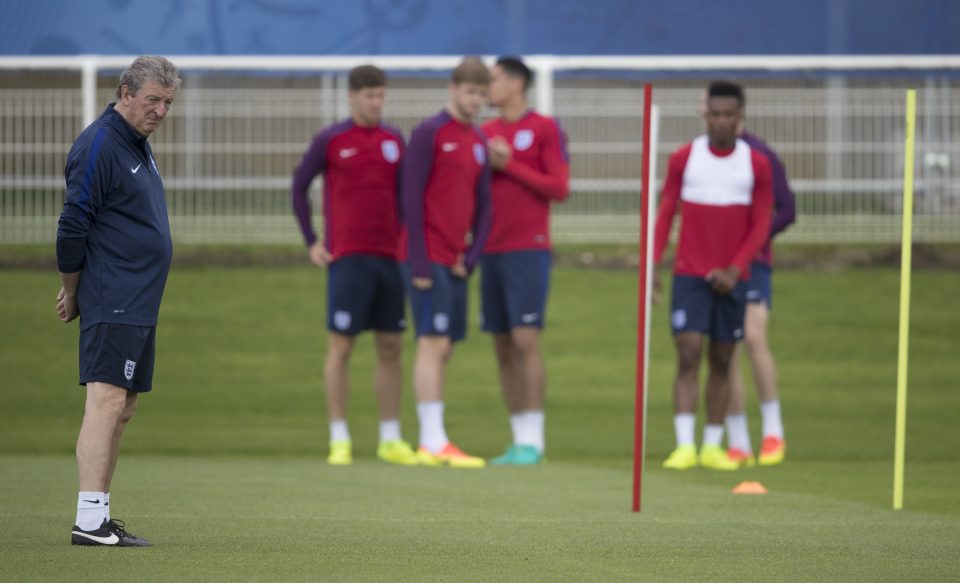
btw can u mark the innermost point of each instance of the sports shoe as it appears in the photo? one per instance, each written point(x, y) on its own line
point(341, 453)
point(772, 451)
point(397, 451)
point(111, 533)
point(682, 458)
point(715, 458)
point(450, 455)
point(743, 458)
point(518, 455)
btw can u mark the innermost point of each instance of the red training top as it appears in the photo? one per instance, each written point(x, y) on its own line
point(446, 193)
point(538, 172)
point(360, 167)
point(726, 203)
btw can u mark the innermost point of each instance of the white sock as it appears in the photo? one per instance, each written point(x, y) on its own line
point(91, 510)
point(390, 430)
point(684, 425)
point(712, 434)
point(535, 421)
point(516, 427)
point(772, 423)
point(738, 432)
point(433, 436)
point(106, 498)
point(339, 431)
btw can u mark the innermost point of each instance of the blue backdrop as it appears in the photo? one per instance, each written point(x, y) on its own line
point(431, 27)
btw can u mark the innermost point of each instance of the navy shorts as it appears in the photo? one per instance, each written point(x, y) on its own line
point(514, 286)
point(118, 354)
point(695, 307)
point(442, 309)
point(365, 292)
point(759, 287)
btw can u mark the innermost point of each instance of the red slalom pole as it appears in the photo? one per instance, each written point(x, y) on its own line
point(642, 301)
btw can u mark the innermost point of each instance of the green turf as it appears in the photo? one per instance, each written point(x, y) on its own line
point(223, 464)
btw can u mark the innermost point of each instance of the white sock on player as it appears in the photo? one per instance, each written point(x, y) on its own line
point(684, 425)
point(433, 436)
point(106, 497)
point(390, 430)
point(535, 421)
point(91, 510)
point(339, 431)
point(772, 423)
point(516, 427)
point(712, 435)
point(738, 434)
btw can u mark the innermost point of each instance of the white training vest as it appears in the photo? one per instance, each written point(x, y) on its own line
point(714, 180)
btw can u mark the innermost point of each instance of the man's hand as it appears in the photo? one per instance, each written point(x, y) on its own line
point(459, 269)
point(499, 151)
point(66, 306)
point(422, 283)
point(723, 280)
point(319, 255)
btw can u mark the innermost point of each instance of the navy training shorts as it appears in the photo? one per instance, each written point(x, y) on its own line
point(760, 287)
point(514, 287)
point(365, 292)
point(695, 307)
point(118, 354)
point(442, 309)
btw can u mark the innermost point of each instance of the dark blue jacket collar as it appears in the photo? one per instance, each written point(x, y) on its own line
point(112, 118)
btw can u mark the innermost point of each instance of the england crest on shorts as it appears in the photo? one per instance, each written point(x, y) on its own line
point(390, 150)
point(128, 369)
point(480, 153)
point(341, 319)
point(679, 319)
point(441, 322)
point(523, 139)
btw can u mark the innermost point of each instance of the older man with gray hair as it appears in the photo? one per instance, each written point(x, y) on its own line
point(113, 252)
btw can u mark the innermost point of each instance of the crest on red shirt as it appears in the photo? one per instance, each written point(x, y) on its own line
point(391, 151)
point(523, 139)
point(480, 153)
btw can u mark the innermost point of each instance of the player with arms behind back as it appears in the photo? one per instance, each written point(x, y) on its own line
point(528, 153)
point(446, 197)
point(360, 161)
point(723, 189)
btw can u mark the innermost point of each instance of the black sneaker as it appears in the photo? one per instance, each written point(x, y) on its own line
point(110, 534)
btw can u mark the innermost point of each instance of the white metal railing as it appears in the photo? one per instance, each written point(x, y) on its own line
point(241, 124)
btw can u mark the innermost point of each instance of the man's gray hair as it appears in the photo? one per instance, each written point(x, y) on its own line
point(149, 68)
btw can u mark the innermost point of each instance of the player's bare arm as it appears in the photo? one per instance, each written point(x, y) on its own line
point(500, 152)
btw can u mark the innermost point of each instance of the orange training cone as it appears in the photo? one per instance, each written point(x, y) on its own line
point(749, 488)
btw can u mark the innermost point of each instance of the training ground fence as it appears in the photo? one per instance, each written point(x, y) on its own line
point(241, 124)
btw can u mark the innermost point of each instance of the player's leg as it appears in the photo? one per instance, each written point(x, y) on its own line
point(336, 377)
point(440, 320)
point(387, 318)
point(739, 447)
point(773, 448)
point(350, 289)
point(690, 307)
point(110, 356)
point(726, 329)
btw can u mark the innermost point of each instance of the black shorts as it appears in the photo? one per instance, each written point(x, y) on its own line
point(365, 292)
point(118, 354)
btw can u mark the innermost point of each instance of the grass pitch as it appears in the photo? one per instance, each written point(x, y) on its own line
point(223, 466)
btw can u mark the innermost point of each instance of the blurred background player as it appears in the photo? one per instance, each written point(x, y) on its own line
point(723, 188)
point(528, 153)
point(446, 197)
point(759, 303)
point(360, 161)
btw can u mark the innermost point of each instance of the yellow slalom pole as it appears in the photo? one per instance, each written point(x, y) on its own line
point(903, 349)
